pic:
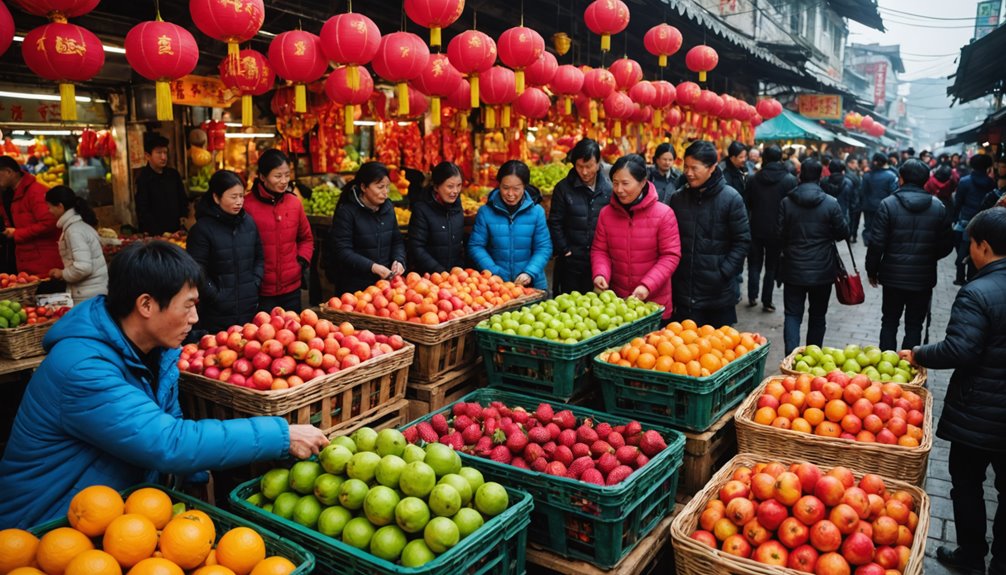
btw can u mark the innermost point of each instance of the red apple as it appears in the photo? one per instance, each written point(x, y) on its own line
point(809, 510)
point(366, 336)
point(308, 317)
point(252, 348)
point(858, 500)
point(904, 554)
point(809, 475)
point(767, 400)
point(328, 360)
point(285, 337)
point(803, 558)
point(725, 528)
point(261, 318)
point(771, 553)
point(709, 517)
point(349, 361)
point(323, 327)
point(237, 379)
point(887, 557)
point(183, 365)
point(825, 536)
point(304, 371)
point(885, 531)
point(283, 366)
point(882, 410)
point(762, 486)
point(870, 569)
point(873, 423)
point(887, 437)
point(844, 517)
point(314, 358)
point(265, 333)
point(787, 488)
point(273, 348)
point(396, 342)
point(212, 372)
point(262, 379)
point(740, 510)
point(792, 533)
point(243, 366)
point(249, 331)
point(236, 341)
point(771, 513)
point(207, 341)
point(736, 545)
point(222, 338)
point(306, 333)
point(332, 345)
point(754, 532)
point(832, 564)
point(704, 536)
point(898, 426)
point(362, 351)
point(843, 474)
point(732, 490)
point(829, 490)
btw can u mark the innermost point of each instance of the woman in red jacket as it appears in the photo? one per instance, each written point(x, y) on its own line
point(636, 246)
point(28, 221)
point(287, 242)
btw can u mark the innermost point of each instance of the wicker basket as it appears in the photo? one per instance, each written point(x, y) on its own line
point(331, 402)
point(23, 341)
point(23, 294)
point(786, 367)
point(895, 461)
point(692, 557)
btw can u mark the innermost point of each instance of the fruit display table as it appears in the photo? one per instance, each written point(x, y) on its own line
point(14, 366)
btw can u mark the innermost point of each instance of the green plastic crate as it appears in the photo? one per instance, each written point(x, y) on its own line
point(223, 522)
point(496, 548)
point(693, 403)
point(552, 370)
point(598, 524)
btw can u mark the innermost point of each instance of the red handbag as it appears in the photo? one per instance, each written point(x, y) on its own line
point(848, 288)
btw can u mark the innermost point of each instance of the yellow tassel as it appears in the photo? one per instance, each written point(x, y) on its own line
point(436, 111)
point(246, 110)
point(605, 42)
point(662, 61)
point(352, 77)
point(702, 76)
point(688, 117)
point(300, 98)
point(519, 80)
point(233, 57)
point(434, 37)
point(618, 128)
point(568, 102)
point(348, 112)
point(475, 90)
point(705, 122)
point(464, 120)
point(490, 118)
point(657, 117)
point(506, 116)
point(593, 113)
point(68, 102)
point(403, 99)
point(165, 110)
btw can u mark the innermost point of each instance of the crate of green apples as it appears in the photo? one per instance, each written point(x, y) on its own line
point(870, 360)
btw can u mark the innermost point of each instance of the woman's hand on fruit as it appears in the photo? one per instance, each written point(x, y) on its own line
point(600, 283)
point(909, 356)
point(522, 280)
point(397, 269)
point(641, 292)
point(380, 271)
point(306, 440)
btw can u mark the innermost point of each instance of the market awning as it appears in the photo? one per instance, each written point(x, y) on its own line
point(962, 134)
point(863, 11)
point(980, 71)
point(849, 141)
point(792, 126)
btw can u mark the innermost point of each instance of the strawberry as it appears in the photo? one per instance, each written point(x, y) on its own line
point(652, 443)
point(538, 435)
point(539, 465)
point(607, 462)
point(627, 454)
point(483, 446)
point(459, 409)
point(565, 419)
point(544, 413)
point(592, 476)
point(580, 449)
point(567, 437)
point(411, 434)
point(439, 423)
point(516, 442)
point(506, 420)
point(520, 463)
point(490, 412)
point(633, 439)
point(461, 422)
point(615, 439)
point(490, 426)
point(586, 434)
point(600, 447)
point(556, 468)
point(603, 430)
point(578, 466)
point(505, 411)
point(471, 434)
point(474, 410)
point(454, 440)
point(553, 430)
point(509, 428)
point(563, 454)
point(618, 474)
point(499, 437)
point(520, 415)
point(619, 429)
point(501, 454)
point(533, 451)
point(641, 460)
point(549, 449)
point(427, 433)
point(632, 428)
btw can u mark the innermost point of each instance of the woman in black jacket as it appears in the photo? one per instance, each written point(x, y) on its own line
point(225, 242)
point(437, 227)
point(364, 243)
point(810, 222)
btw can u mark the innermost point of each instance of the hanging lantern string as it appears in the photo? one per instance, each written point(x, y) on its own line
point(522, 13)
point(157, 10)
point(349, 6)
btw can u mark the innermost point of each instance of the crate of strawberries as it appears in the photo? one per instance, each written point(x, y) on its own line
point(23, 327)
point(600, 483)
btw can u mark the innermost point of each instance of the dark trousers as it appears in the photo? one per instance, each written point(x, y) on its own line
point(570, 275)
point(766, 252)
point(867, 225)
point(854, 223)
point(915, 305)
point(967, 474)
point(288, 301)
point(965, 269)
point(715, 317)
point(794, 297)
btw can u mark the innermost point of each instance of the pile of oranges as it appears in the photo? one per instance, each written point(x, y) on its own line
point(685, 349)
point(139, 536)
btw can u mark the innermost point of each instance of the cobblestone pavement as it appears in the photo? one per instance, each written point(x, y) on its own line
point(861, 325)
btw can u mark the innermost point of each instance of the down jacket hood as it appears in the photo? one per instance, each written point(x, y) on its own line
point(772, 173)
point(914, 198)
point(807, 195)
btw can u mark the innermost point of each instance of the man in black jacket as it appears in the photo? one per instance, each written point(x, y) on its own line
point(838, 186)
point(911, 232)
point(161, 202)
point(765, 191)
point(974, 410)
point(663, 174)
point(572, 218)
point(734, 166)
point(855, 176)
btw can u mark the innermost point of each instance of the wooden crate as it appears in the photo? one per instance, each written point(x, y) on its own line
point(393, 415)
point(448, 388)
point(435, 362)
point(706, 452)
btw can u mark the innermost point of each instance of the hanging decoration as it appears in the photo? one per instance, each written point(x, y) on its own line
point(439, 80)
point(567, 82)
point(606, 17)
point(401, 56)
point(561, 42)
point(662, 40)
point(533, 104)
point(498, 89)
point(618, 106)
point(627, 73)
point(339, 90)
point(434, 14)
point(162, 52)
point(598, 84)
point(673, 117)
point(57, 10)
point(461, 100)
point(688, 94)
point(709, 105)
point(643, 93)
point(472, 53)
point(701, 59)
point(418, 104)
point(297, 57)
point(250, 74)
point(230, 21)
point(64, 53)
point(542, 71)
point(6, 28)
point(520, 47)
point(768, 108)
point(663, 99)
point(350, 40)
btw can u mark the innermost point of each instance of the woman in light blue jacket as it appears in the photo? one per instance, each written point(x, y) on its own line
point(510, 237)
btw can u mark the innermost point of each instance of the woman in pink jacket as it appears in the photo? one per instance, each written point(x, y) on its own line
point(636, 246)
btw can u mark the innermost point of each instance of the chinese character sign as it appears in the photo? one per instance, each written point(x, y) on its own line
point(820, 106)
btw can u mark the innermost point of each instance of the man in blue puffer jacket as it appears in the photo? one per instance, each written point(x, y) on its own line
point(878, 183)
point(102, 409)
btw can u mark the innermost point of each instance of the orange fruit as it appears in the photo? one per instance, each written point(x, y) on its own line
point(710, 362)
point(694, 368)
point(130, 538)
point(646, 361)
point(152, 503)
point(689, 336)
point(705, 346)
point(835, 410)
point(631, 355)
point(682, 354)
point(26, 571)
point(274, 566)
point(706, 330)
point(673, 327)
point(828, 429)
point(58, 547)
point(155, 566)
point(747, 341)
point(802, 425)
point(664, 363)
point(688, 325)
point(908, 441)
point(17, 549)
point(93, 562)
point(729, 355)
point(789, 411)
point(637, 342)
point(740, 350)
point(93, 508)
point(213, 570)
point(187, 539)
point(665, 348)
point(765, 415)
point(647, 348)
point(240, 549)
point(679, 368)
point(813, 415)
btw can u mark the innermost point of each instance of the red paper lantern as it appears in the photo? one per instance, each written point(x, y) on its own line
point(339, 89)
point(6, 28)
point(250, 74)
point(756, 120)
point(438, 80)
point(849, 122)
point(626, 72)
point(434, 14)
point(598, 84)
point(418, 104)
point(768, 108)
point(401, 56)
point(606, 17)
point(876, 129)
point(643, 93)
point(688, 94)
point(662, 40)
point(568, 81)
point(520, 47)
point(231, 21)
point(351, 40)
point(673, 117)
point(162, 52)
point(461, 98)
point(498, 89)
point(642, 114)
point(57, 10)
point(701, 59)
point(618, 106)
point(745, 112)
point(542, 71)
point(297, 56)
point(533, 103)
point(866, 123)
point(709, 103)
point(666, 93)
point(64, 53)
point(472, 52)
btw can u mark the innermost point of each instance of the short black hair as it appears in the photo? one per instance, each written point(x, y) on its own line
point(636, 165)
point(663, 148)
point(810, 170)
point(270, 160)
point(9, 163)
point(980, 162)
point(735, 148)
point(445, 171)
point(702, 151)
point(771, 154)
point(154, 141)
point(914, 171)
point(836, 166)
point(851, 158)
point(158, 268)
point(514, 168)
point(585, 149)
point(66, 197)
point(223, 180)
point(990, 226)
point(879, 160)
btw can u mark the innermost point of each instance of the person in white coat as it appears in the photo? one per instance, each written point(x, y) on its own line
point(84, 269)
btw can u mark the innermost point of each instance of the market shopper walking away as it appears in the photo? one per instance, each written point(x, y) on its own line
point(663, 174)
point(510, 237)
point(636, 248)
point(974, 410)
point(364, 244)
point(161, 201)
point(577, 200)
point(27, 221)
point(715, 239)
point(437, 227)
point(84, 269)
point(225, 242)
point(810, 222)
point(102, 409)
point(287, 242)
point(838, 186)
point(911, 233)
point(855, 176)
point(878, 183)
point(971, 191)
point(763, 195)
point(943, 184)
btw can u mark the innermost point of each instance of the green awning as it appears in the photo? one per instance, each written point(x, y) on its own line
point(792, 126)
